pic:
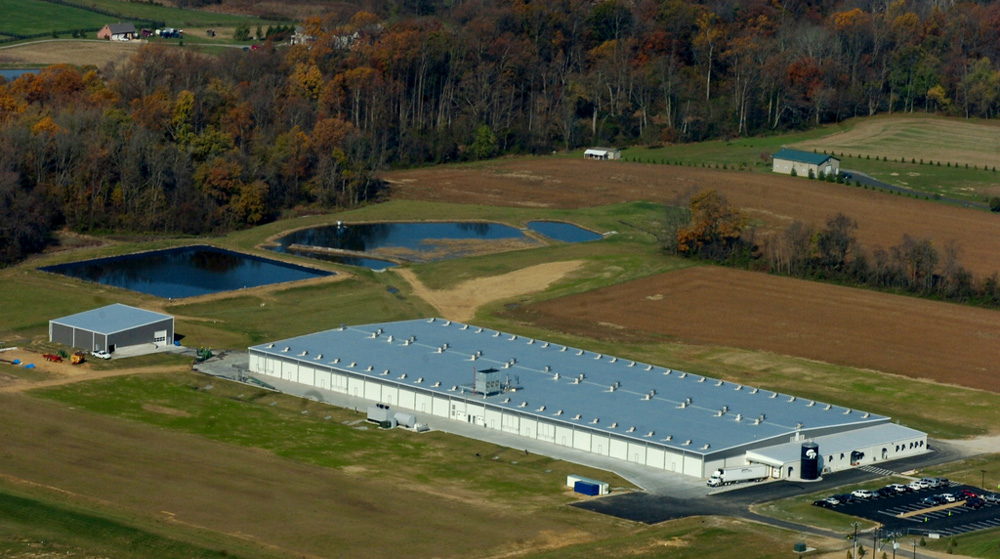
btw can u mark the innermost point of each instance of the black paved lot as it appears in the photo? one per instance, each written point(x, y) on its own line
point(646, 508)
point(949, 522)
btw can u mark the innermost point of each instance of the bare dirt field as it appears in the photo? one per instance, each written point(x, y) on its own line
point(460, 303)
point(720, 306)
point(774, 201)
point(280, 504)
point(70, 51)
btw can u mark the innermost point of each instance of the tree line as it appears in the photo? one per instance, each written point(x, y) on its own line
point(714, 230)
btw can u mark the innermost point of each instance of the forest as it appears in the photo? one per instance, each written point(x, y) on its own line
point(179, 142)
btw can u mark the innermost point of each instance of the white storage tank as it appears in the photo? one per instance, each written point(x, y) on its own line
point(406, 419)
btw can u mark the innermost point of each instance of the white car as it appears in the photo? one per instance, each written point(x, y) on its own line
point(898, 487)
point(862, 494)
point(916, 485)
point(101, 354)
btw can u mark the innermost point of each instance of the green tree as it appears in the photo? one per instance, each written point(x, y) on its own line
point(995, 204)
point(242, 32)
point(485, 144)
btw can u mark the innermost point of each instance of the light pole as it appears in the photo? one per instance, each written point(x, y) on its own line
point(914, 543)
point(855, 524)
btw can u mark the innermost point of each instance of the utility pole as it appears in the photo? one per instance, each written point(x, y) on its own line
point(914, 543)
point(855, 524)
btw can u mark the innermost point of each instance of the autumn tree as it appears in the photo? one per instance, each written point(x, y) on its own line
point(714, 230)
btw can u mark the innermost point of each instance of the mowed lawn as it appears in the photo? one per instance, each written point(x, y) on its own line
point(27, 17)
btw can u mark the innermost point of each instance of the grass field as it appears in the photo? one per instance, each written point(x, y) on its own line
point(27, 17)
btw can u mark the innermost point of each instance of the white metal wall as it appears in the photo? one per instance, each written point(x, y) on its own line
point(581, 437)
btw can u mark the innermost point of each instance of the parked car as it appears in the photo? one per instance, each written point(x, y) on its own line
point(899, 488)
point(886, 492)
point(947, 497)
point(862, 494)
point(845, 499)
point(991, 498)
point(966, 494)
point(101, 354)
point(822, 503)
point(974, 502)
point(916, 485)
point(932, 500)
point(931, 482)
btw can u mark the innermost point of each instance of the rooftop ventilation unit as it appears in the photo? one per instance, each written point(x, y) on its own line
point(419, 380)
point(473, 357)
point(725, 409)
point(865, 416)
point(631, 364)
point(773, 395)
point(650, 434)
point(506, 400)
point(505, 366)
point(811, 403)
point(541, 408)
point(369, 369)
point(555, 377)
point(683, 375)
point(453, 388)
point(791, 399)
point(406, 342)
point(336, 360)
point(286, 349)
point(649, 367)
point(739, 417)
point(827, 407)
point(614, 359)
point(318, 357)
point(385, 372)
point(847, 411)
point(705, 447)
point(431, 319)
point(546, 344)
point(354, 364)
point(464, 327)
point(719, 413)
point(762, 417)
point(647, 397)
point(668, 438)
point(576, 381)
point(479, 353)
point(270, 346)
point(702, 379)
point(688, 400)
point(479, 330)
point(630, 429)
point(402, 376)
point(558, 412)
point(612, 388)
point(579, 352)
point(531, 341)
point(755, 390)
point(548, 368)
point(389, 340)
point(798, 425)
point(413, 339)
point(667, 371)
point(598, 356)
point(720, 383)
point(436, 384)
point(304, 353)
point(687, 442)
point(683, 405)
point(596, 419)
point(523, 405)
point(379, 331)
point(447, 323)
point(373, 335)
point(577, 416)
point(563, 348)
point(756, 422)
point(439, 350)
point(738, 387)
point(614, 425)
point(512, 338)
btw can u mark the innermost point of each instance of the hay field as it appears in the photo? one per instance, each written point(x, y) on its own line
point(946, 343)
point(976, 142)
point(80, 52)
point(773, 201)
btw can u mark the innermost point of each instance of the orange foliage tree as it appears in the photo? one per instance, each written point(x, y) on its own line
point(715, 227)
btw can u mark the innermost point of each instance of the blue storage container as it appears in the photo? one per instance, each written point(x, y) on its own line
point(586, 488)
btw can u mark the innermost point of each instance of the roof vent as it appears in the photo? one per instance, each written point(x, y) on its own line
point(720, 383)
point(385, 372)
point(865, 416)
point(464, 327)
point(373, 336)
point(631, 364)
point(683, 405)
point(479, 353)
point(505, 366)
point(688, 400)
point(719, 413)
point(596, 419)
point(369, 369)
point(546, 344)
point(725, 409)
point(738, 387)
point(827, 408)
point(318, 357)
point(556, 377)
point(454, 388)
point(439, 350)
point(798, 425)
point(531, 341)
point(541, 408)
point(668, 438)
point(702, 379)
point(431, 319)
point(756, 421)
point(513, 360)
point(792, 399)
point(755, 390)
point(683, 375)
point(413, 339)
point(577, 416)
point(705, 447)
point(406, 342)
point(687, 442)
point(576, 381)
point(581, 376)
point(419, 380)
point(614, 425)
point(479, 330)
point(649, 367)
point(547, 368)
point(739, 417)
point(631, 429)
point(270, 346)
point(558, 412)
point(598, 356)
point(667, 371)
point(811, 403)
point(286, 349)
point(580, 352)
point(473, 357)
point(614, 359)
point(304, 353)
point(336, 360)
point(379, 331)
point(523, 405)
point(613, 388)
point(402, 376)
point(512, 338)
point(389, 340)
point(647, 397)
point(650, 434)
point(506, 400)
point(847, 411)
point(436, 384)
point(447, 323)
point(496, 334)
point(354, 363)
point(773, 395)
point(563, 348)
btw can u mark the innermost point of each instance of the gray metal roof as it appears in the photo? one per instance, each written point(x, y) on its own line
point(683, 407)
point(111, 319)
point(802, 156)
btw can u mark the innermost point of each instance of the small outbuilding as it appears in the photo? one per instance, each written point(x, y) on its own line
point(602, 153)
point(117, 32)
point(112, 327)
point(801, 162)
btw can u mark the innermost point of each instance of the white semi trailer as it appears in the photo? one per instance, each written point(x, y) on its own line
point(729, 476)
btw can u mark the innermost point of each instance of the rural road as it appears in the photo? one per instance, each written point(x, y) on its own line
point(871, 181)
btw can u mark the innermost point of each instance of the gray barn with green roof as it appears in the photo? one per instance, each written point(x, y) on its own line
point(788, 160)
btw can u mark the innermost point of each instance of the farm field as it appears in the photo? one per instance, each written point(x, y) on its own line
point(772, 201)
point(946, 343)
point(27, 17)
point(69, 51)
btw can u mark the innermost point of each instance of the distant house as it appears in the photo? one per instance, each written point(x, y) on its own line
point(117, 32)
point(801, 162)
point(602, 153)
point(300, 37)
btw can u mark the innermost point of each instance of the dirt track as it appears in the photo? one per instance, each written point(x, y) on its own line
point(720, 306)
point(775, 201)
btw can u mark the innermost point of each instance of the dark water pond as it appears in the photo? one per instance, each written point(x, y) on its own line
point(420, 238)
point(185, 271)
point(12, 75)
point(565, 232)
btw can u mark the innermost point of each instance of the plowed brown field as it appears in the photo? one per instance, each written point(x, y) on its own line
point(773, 200)
point(720, 306)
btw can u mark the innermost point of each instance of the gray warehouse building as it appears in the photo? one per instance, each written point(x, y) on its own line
point(659, 417)
point(111, 327)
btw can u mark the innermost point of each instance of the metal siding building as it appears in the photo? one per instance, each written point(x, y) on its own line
point(787, 160)
point(111, 327)
point(659, 417)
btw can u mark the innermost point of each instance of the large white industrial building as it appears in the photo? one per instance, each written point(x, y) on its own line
point(659, 417)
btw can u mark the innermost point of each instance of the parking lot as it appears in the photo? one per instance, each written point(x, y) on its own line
point(906, 513)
